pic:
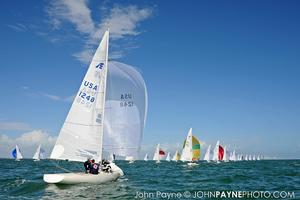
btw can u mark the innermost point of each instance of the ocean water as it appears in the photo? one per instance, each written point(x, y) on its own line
point(24, 179)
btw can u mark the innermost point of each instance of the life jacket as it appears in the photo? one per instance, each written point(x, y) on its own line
point(94, 168)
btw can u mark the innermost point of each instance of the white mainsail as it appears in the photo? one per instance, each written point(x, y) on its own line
point(168, 157)
point(225, 156)
point(82, 132)
point(250, 157)
point(207, 154)
point(125, 110)
point(156, 153)
point(18, 152)
point(187, 151)
point(146, 157)
point(38, 153)
point(233, 157)
point(216, 152)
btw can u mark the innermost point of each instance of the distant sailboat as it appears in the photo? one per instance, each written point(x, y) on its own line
point(16, 153)
point(38, 154)
point(246, 157)
point(218, 152)
point(130, 159)
point(176, 156)
point(146, 158)
point(250, 157)
point(168, 157)
point(233, 156)
point(158, 154)
point(225, 156)
point(191, 149)
point(258, 157)
point(207, 154)
point(112, 157)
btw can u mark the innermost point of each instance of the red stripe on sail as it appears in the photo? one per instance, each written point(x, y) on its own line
point(221, 153)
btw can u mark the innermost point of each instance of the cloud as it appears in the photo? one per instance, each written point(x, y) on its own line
point(27, 142)
point(14, 126)
point(121, 20)
point(58, 98)
point(17, 27)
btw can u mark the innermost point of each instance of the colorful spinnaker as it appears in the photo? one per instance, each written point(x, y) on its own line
point(191, 148)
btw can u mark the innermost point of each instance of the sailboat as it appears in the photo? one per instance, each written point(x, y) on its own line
point(158, 154)
point(207, 154)
point(225, 156)
point(168, 157)
point(246, 157)
point(233, 156)
point(218, 152)
point(16, 153)
point(112, 157)
point(176, 156)
point(130, 159)
point(38, 154)
point(191, 149)
point(146, 158)
point(81, 136)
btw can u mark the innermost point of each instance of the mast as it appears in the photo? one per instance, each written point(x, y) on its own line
point(104, 95)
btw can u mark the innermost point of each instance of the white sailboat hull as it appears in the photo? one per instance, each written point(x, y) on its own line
point(76, 178)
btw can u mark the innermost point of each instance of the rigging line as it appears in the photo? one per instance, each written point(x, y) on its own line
point(62, 168)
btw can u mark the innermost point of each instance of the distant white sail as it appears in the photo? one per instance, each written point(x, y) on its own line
point(38, 154)
point(125, 110)
point(146, 157)
point(187, 151)
point(216, 152)
point(253, 158)
point(225, 156)
point(233, 158)
point(250, 157)
point(168, 157)
point(111, 157)
point(207, 154)
point(258, 157)
point(157, 156)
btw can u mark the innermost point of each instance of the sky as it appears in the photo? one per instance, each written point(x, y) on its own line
point(228, 69)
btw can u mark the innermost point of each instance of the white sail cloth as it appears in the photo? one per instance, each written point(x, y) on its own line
point(82, 131)
point(125, 110)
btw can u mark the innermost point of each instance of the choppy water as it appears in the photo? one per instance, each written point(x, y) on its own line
point(24, 179)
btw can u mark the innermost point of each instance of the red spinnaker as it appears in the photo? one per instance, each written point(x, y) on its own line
point(161, 152)
point(221, 153)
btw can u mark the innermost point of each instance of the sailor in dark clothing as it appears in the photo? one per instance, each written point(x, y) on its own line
point(105, 166)
point(94, 167)
point(87, 165)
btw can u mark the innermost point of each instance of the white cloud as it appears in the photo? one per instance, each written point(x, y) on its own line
point(27, 142)
point(121, 20)
point(18, 27)
point(14, 126)
point(58, 98)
